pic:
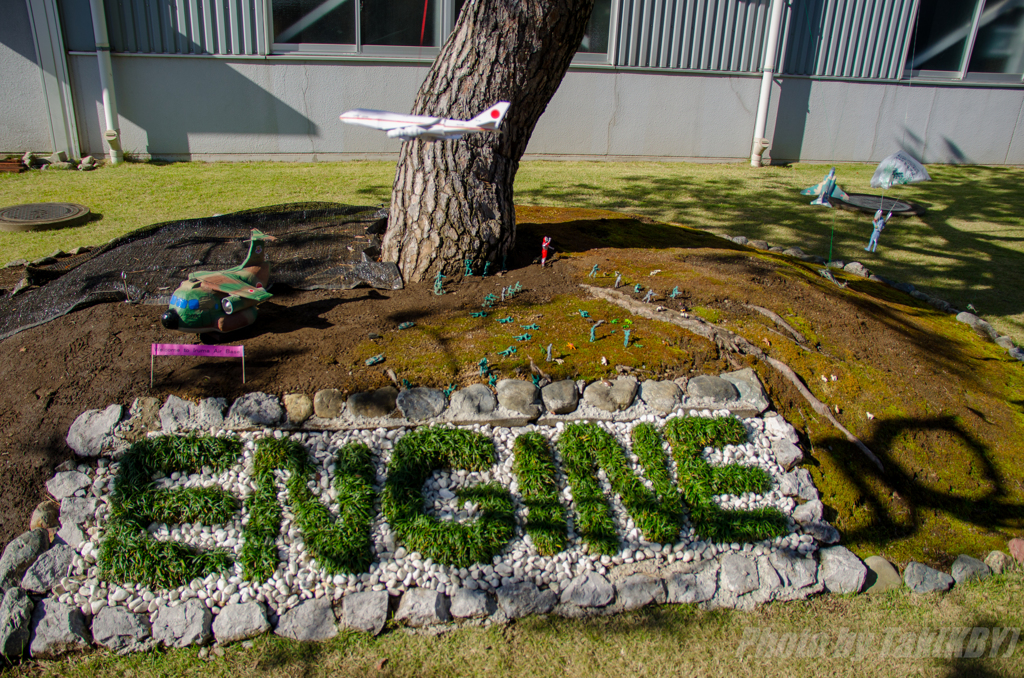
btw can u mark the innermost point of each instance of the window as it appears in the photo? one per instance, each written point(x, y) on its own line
point(964, 38)
point(413, 28)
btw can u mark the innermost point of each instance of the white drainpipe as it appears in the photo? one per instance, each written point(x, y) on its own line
point(760, 144)
point(99, 29)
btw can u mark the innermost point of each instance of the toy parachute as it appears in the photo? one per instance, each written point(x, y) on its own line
point(826, 189)
point(898, 168)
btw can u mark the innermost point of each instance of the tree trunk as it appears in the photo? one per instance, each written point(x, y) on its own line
point(452, 200)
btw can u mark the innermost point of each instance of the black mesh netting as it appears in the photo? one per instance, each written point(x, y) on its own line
point(318, 246)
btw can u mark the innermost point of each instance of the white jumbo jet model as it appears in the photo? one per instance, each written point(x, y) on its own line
point(408, 127)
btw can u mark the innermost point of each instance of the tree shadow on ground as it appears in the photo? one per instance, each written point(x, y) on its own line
point(899, 498)
point(948, 251)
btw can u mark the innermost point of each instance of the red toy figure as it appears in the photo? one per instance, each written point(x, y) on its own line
point(544, 250)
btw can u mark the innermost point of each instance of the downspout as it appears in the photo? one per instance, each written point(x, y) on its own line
point(760, 144)
point(99, 29)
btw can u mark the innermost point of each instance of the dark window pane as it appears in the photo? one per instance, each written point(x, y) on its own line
point(399, 22)
point(938, 42)
point(999, 47)
point(330, 22)
point(76, 19)
point(596, 37)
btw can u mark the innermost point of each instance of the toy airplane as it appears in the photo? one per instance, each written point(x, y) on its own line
point(408, 127)
point(826, 189)
point(222, 301)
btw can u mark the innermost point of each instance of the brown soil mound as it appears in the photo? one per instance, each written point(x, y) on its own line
point(946, 408)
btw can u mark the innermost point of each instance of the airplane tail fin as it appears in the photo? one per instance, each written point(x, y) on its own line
point(492, 117)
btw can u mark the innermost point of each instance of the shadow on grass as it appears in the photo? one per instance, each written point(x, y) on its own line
point(938, 251)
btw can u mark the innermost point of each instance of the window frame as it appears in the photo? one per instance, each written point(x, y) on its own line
point(445, 16)
point(962, 74)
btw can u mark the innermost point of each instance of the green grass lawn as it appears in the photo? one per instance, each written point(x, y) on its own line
point(966, 249)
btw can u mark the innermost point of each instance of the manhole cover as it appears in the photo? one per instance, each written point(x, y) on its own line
point(42, 216)
point(865, 202)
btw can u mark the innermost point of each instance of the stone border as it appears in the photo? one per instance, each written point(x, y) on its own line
point(54, 603)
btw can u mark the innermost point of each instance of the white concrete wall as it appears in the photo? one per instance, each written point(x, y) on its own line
point(288, 110)
point(24, 125)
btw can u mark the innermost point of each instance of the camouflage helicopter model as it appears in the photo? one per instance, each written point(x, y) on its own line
point(222, 301)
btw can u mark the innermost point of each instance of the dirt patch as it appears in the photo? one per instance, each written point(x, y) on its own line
point(946, 409)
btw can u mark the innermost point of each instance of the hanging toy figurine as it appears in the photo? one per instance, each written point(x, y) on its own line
point(879, 224)
point(545, 249)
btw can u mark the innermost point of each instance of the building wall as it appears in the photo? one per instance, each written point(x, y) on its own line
point(24, 124)
point(207, 108)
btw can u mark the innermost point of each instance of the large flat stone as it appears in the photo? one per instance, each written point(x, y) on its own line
point(841, 570)
point(523, 599)
point(611, 396)
point(19, 555)
point(472, 401)
point(920, 578)
point(711, 388)
point(660, 396)
point(15, 623)
point(66, 483)
point(749, 387)
point(966, 568)
point(190, 623)
point(468, 603)
point(328, 403)
point(881, 576)
point(560, 397)
point(57, 629)
point(794, 572)
point(240, 621)
point(423, 607)
point(638, 590)
point(520, 396)
point(177, 414)
point(254, 410)
point(78, 511)
point(589, 590)
point(93, 430)
point(373, 404)
point(118, 629)
point(420, 403)
point(48, 569)
point(366, 610)
point(310, 620)
point(739, 574)
point(209, 413)
point(695, 584)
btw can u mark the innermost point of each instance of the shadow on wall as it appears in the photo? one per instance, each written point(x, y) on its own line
point(791, 120)
point(176, 101)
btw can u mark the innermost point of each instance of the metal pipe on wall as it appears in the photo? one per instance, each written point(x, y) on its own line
point(99, 29)
point(771, 48)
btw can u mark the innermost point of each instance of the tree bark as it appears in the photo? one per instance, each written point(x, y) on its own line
point(452, 200)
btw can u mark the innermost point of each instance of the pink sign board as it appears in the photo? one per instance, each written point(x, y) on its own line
point(196, 350)
point(199, 350)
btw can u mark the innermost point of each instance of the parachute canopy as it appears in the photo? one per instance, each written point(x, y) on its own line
point(898, 168)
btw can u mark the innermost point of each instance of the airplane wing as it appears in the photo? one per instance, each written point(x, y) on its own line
point(225, 283)
point(386, 120)
point(823, 185)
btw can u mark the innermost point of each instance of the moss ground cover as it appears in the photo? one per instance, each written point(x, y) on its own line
point(128, 553)
point(418, 454)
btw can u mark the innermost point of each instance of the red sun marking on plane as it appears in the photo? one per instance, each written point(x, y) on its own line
point(494, 114)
